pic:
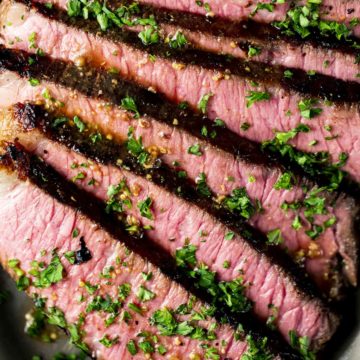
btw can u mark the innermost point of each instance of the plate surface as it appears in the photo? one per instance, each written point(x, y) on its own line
point(16, 345)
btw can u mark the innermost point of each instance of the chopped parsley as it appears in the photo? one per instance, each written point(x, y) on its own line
point(194, 150)
point(182, 174)
point(226, 264)
point(183, 105)
point(91, 289)
point(253, 51)
point(307, 109)
point(203, 103)
point(205, 132)
point(59, 121)
point(178, 40)
point(274, 237)
point(144, 207)
point(305, 18)
point(74, 7)
point(168, 325)
point(136, 148)
point(229, 293)
point(104, 304)
point(284, 181)
point(96, 137)
point(105, 17)
point(149, 36)
point(146, 346)
point(115, 205)
point(186, 256)
point(218, 122)
point(315, 164)
point(161, 349)
point(257, 349)
point(201, 185)
point(135, 308)
point(32, 40)
point(128, 103)
point(107, 342)
point(255, 96)
point(34, 82)
point(56, 317)
point(22, 282)
point(131, 347)
point(262, 6)
point(229, 235)
point(70, 257)
point(211, 353)
point(75, 233)
point(301, 344)
point(245, 126)
point(79, 176)
point(51, 274)
point(144, 294)
point(288, 74)
point(239, 202)
point(147, 276)
point(79, 124)
point(124, 291)
point(296, 224)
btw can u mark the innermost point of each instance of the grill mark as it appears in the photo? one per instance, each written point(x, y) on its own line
point(107, 152)
point(318, 85)
point(48, 180)
point(100, 84)
point(109, 87)
point(222, 27)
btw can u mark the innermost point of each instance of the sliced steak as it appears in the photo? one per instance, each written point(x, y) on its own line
point(175, 222)
point(113, 310)
point(173, 143)
point(342, 11)
point(335, 129)
point(251, 40)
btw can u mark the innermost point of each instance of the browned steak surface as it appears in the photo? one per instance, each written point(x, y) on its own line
point(89, 97)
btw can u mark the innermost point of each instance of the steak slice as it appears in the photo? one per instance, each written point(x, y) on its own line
point(342, 11)
point(39, 247)
point(250, 40)
point(320, 255)
point(334, 131)
point(174, 222)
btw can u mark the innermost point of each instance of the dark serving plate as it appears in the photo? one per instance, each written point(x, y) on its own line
point(16, 345)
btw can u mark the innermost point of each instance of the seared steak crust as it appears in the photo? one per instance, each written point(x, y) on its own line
point(342, 11)
point(27, 205)
point(110, 89)
point(221, 36)
point(317, 85)
point(187, 222)
point(173, 75)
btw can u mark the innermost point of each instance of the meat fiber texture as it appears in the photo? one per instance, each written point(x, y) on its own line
point(190, 83)
point(305, 56)
point(178, 220)
point(33, 222)
point(280, 52)
point(320, 260)
point(342, 11)
point(335, 10)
